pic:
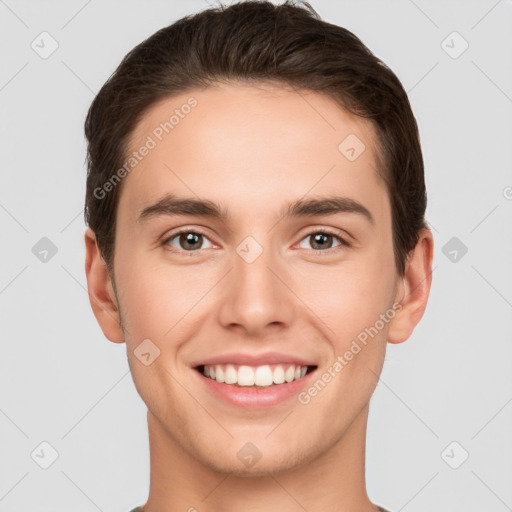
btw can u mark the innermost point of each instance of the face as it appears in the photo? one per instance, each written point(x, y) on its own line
point(278, 274)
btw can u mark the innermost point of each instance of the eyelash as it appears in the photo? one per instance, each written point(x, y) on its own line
point(343, 242)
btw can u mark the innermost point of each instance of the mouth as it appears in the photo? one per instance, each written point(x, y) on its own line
point(254, 381)
point(263, 376)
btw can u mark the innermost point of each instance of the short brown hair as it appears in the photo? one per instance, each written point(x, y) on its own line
point(256, 40)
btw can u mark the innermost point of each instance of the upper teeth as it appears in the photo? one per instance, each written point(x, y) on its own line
point(265, 375)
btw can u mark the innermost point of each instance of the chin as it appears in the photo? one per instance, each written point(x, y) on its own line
point(274, 463)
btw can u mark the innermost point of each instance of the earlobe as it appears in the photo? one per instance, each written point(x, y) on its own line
point(101, 292)
point(414, 291)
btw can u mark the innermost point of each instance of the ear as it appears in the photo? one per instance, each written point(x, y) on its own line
point(101, 292)
point(414, 289)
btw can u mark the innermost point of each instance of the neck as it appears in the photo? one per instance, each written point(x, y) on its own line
point(334, 480)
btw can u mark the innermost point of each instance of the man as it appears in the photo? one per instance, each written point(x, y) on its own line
point(255, 202)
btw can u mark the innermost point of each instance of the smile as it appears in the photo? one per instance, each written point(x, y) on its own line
point(255, 376)
point(254, 381)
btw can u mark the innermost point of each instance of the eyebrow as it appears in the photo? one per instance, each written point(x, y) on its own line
point(171, 205)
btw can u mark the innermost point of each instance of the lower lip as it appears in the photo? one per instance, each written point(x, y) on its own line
point(250, 397)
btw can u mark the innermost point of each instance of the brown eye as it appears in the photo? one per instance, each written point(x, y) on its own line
point(187, 241)
point(323, 240)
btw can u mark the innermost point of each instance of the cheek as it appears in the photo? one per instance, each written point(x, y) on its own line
point(158, 296)
point(349, 296)
point(157, 303)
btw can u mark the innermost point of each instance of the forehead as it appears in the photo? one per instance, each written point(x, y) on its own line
point(251, 144)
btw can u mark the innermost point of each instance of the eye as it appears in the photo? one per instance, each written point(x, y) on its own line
point(323, 240)
point(188, 241)
point(192, 241)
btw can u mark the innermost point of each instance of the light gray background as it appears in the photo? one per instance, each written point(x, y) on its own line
point(64, 383)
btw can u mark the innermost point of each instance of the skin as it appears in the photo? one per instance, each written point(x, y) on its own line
point(252, 149)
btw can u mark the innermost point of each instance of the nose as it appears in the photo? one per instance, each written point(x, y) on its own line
point(257, 296)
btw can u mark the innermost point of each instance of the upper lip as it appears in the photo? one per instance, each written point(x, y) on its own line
point(255, 359)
